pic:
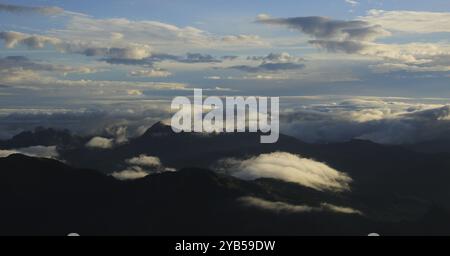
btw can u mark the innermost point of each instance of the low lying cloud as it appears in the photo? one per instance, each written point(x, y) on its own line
point(140, 167)
point(290, 168)
point(130, 174)
point(100, 143)
point(281, 207)
point(34, 151)
point(144, 160)
point(386, 121)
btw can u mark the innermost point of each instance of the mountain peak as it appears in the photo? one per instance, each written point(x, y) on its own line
point(160, 128)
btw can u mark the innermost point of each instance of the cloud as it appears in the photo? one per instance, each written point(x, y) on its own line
point(135, 92)
point(273, 62)
point(20, 9)
point(281, 207)
point(23, 63)
point(34, 151)
point(410, 21)
point(150, 73)
point(144, 160)
point(40, 79)
point(140, 167)
point(353, 3)
point(243, 39)
point(290, 168)
point(326, 28)
point(359, 37)
point(100, 143)
point(12, 39)
point(130, 174)
point(198, 58)
point(189, 58)
point(386, 121)
point(132, 52)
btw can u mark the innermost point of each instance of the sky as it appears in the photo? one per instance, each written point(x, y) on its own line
point(131, 56)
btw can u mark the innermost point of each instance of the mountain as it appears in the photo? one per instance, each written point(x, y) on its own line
point(379, 171)
point(43, 137)
point(432, 146)
point(47, 197)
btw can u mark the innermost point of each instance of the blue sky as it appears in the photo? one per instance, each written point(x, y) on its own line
point(82, 54)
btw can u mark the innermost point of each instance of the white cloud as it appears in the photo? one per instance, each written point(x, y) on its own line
point(382, 120)
point(130, 174)
point(100, 142)
point(40, 79)
point(135, 92)
point(12, 39)
point(353, 3)
point(410, 21)
point(144, 160)
point(141, 166)
point(288, 167)
point(282, 207)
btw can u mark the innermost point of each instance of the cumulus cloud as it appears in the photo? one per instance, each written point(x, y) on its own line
point(128, 52)
point(359, 37)
point(282, 207)
point(100, 143)
point(21, 9)
point(34, 151)
point(290, 168)
point(12, 39)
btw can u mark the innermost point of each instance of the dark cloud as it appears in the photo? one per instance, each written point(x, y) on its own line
point(273, 62)
point(159, 57)
point(23, 63)
point(229, 57)
point(339, 46)
point(326, 28)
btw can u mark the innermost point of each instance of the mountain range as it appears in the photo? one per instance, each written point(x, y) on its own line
point(394, 190)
